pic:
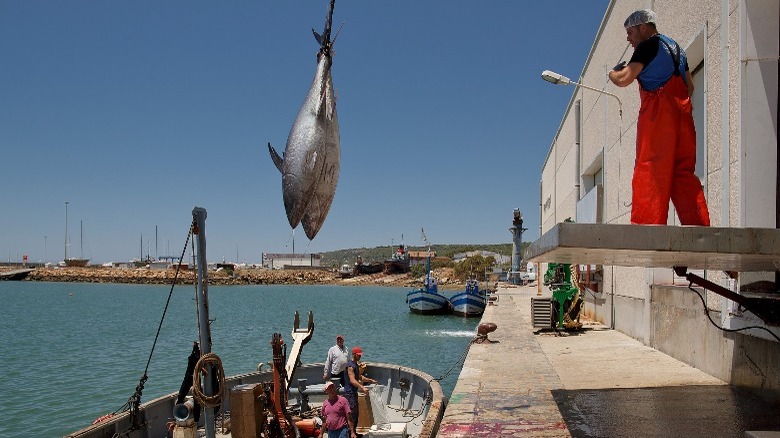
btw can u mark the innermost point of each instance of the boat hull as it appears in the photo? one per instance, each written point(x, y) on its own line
point(370, 268)
point(408, 390)
point(397, 266)
point(427, 303)
point(76, 263)
point(468, 304)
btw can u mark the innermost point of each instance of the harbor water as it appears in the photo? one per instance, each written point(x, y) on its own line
point(75, 351)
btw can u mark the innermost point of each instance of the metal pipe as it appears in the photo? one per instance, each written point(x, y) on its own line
point(204, 331)
point(577, 152)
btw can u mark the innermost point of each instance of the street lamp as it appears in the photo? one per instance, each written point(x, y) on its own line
point(559, 79)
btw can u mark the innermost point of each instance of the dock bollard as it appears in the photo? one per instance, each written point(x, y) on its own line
point(483, 330)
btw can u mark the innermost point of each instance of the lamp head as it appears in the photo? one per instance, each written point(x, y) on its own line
point(555, 78)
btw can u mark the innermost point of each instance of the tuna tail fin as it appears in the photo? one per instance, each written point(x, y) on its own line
point(278, 161)
point(317, 37)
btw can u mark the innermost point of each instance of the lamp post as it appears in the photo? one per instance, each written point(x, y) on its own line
point(559, 79)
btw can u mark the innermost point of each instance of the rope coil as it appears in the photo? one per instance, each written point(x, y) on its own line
point(209, 401)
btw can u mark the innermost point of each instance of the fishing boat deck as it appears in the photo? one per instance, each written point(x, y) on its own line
point(401, 420)
point(726, 249)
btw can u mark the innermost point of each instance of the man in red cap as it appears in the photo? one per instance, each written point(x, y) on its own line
point(354, 381)
point(338, 355)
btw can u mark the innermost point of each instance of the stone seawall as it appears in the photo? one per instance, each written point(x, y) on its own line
point(93, 274)
point(148, 276)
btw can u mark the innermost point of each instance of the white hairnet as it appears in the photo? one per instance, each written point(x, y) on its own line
point(642, 16)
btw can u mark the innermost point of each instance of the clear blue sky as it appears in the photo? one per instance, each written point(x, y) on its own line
point(135, 112)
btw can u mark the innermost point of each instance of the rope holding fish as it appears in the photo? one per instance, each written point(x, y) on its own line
point(214, 400)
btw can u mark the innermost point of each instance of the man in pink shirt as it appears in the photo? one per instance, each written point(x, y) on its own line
point(336, 414)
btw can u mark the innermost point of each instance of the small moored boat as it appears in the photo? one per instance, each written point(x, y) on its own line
point(427, 300)
point(345, 271)
point(471, 302)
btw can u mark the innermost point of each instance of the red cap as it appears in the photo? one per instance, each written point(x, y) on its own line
point(357, 350)
point(339, 337)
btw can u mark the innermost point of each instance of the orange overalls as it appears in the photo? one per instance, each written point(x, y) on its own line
point(666, 158)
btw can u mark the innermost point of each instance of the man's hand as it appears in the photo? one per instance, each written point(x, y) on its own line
point(625, 75)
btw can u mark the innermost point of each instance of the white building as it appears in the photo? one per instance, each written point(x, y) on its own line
point(732, 48)
point(500, 259)
point(280, 261)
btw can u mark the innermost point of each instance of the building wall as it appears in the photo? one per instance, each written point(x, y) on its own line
point(279, 261)
point(737, 43)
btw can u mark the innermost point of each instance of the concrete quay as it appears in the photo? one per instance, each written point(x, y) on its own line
point(593, 383)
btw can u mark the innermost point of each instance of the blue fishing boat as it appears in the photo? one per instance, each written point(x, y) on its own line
point(471, 302)
point(427, 300)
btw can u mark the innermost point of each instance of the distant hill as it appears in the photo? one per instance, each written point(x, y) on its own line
point(377, 254)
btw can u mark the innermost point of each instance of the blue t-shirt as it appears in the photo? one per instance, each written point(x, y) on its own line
point(659, 65)
point(348, 387)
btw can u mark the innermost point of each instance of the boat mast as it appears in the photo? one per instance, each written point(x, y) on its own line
point(66, 230)
point(204, 331)
point(428, 244)
point(81, 244)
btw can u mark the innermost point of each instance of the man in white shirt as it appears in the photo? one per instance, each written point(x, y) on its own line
point(338, 355)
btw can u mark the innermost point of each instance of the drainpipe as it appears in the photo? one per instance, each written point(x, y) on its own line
point(577, 152)
point(725, 126)
point(541, 206)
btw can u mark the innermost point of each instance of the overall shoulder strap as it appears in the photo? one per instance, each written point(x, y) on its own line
point(675, 54)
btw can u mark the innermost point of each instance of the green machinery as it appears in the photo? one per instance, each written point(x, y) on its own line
point(566, 302)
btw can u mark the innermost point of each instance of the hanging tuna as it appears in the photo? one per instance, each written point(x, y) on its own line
point(310, 163)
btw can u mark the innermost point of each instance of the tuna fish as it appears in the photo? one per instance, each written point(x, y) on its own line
point(310, 163)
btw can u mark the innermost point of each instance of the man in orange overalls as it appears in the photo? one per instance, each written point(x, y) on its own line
point(666, 136)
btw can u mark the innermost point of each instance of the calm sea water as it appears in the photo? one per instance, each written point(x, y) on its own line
point(72, 352)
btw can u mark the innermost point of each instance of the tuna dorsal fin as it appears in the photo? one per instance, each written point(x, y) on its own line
point(278, 161)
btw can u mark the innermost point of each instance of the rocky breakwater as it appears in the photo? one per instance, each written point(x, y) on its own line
point(94, 274)
point(167, 276)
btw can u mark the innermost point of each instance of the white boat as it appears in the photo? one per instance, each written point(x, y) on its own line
point(345, 271)
point(471, 302)
point(280, 402)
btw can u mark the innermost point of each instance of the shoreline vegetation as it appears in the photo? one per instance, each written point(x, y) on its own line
point(92, 274)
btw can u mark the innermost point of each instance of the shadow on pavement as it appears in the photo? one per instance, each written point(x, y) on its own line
point(684, 411)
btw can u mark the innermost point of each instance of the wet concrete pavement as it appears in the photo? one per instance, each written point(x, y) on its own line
point(596, 383)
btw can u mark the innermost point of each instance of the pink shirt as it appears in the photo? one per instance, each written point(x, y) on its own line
point(335, 412)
